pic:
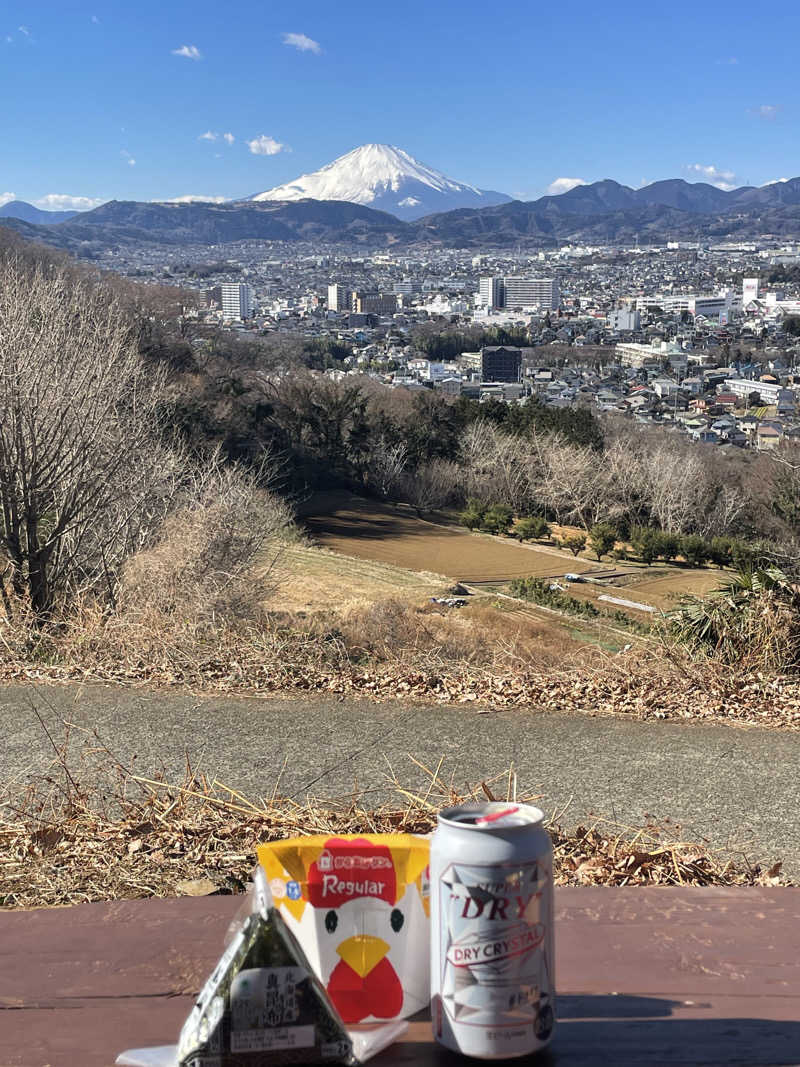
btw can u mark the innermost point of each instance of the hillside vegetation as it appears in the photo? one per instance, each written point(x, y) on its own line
point(148, 479)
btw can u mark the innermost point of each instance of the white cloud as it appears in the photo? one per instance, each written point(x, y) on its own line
point(212, 135)
point(24, 30)
point(776, 181)
point(563, 185)
point(188, 51)
point(265, 146)
point(6, 198)
point(302, 43)
point(131, 161)
point(764, 111)
point(128, 157)
point(65, 202)
point(190, 198)
point(722, 179)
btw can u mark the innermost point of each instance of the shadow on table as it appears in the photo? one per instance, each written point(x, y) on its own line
point(623, 1031)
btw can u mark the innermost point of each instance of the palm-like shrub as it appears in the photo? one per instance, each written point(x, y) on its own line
point(752, 620)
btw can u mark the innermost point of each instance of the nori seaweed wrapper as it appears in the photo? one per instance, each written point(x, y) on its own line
point(263, 1006)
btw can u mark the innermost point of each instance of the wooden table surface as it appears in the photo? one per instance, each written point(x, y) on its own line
point(644, 976)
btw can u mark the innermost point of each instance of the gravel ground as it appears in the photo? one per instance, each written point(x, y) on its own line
point(735, 787)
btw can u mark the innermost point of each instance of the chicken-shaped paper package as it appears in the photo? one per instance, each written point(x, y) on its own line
point(359, 906)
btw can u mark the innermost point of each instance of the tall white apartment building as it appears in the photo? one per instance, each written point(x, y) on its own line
point(339, 298)
point(490, 291)
point(624, 319)
point(237, 301)
point(519, 291)
point(749, 290)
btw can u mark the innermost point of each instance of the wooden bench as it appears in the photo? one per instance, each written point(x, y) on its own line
point(644, 976)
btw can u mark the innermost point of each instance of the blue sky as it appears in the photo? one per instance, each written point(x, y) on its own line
point(104, 101)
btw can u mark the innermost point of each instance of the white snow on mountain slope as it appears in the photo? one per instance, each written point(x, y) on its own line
point(386, 178)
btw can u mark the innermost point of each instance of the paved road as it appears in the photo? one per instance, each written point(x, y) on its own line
point(737, 787)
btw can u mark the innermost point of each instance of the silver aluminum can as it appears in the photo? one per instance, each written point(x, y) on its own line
point(492, 964)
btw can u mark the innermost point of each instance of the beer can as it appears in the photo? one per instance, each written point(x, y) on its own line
point(492, 964)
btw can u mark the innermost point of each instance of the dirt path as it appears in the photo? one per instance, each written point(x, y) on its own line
point(736, 787)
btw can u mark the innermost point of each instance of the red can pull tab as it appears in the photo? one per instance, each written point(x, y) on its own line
point(495, 815)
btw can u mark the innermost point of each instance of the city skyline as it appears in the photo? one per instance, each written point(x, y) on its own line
point(153, 104)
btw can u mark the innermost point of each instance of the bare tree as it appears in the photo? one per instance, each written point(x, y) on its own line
point(725, 513)
point(676, 486)
point(496, 466)
point(432, 485)
point(80, 457)
point(574, 482)
point(385, 466)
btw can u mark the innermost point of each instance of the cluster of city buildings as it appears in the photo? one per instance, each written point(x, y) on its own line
point(640, 332)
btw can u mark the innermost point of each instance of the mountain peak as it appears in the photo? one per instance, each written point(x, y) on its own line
point(21, 209)
point(387, 178)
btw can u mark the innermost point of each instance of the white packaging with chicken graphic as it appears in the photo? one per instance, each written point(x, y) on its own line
point(359, 906)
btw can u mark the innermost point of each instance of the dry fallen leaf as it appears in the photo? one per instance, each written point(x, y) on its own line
point(196, 887)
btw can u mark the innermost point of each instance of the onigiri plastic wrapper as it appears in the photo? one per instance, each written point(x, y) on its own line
point(263, 1004)
point(359, 907)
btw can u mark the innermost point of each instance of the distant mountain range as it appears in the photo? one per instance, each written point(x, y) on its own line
point(386, 178)
point(125, 222)
point(699, 198)
point(607, 212)
point(602, 213)
point(21, 209)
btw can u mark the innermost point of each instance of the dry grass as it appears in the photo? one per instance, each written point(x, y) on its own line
point(92, 830)
point(479, 634)
point(385, 613)
point(663, 590)
point(312, 579)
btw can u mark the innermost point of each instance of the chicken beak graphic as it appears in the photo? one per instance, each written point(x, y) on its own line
point(363, 953)
point(364, 982)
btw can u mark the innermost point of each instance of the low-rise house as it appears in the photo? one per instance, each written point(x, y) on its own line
point(767, 438)
point(449, 386)
point(786, 403)
point(706, 436)
point(664, 387)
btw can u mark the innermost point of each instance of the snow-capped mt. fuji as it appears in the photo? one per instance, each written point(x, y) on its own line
point(385, 178)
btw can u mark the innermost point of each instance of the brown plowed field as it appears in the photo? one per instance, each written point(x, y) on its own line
point(375, 531)
point(663, 589)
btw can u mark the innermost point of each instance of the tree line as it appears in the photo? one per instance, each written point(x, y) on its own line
point(561, 464)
